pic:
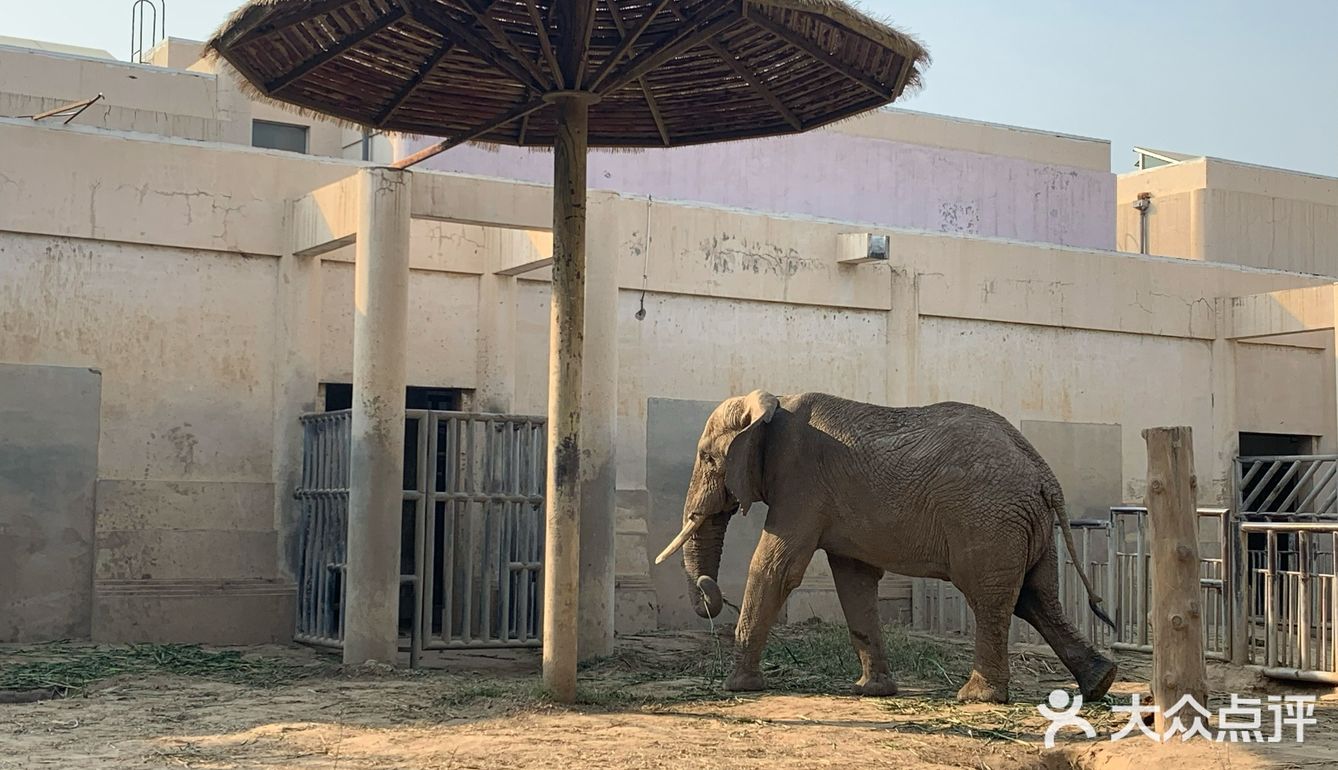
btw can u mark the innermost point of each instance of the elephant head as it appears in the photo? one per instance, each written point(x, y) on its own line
point(726, 479)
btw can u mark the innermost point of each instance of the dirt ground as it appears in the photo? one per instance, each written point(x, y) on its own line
point(656, 703)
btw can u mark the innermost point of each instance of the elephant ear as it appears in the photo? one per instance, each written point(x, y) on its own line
point(743, 459)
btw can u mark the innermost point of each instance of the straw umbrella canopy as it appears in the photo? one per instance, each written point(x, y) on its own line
point(570, 74)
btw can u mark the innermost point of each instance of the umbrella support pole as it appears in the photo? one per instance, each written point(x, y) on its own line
point(566, 341)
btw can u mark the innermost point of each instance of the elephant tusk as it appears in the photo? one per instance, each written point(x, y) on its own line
point(688, 530)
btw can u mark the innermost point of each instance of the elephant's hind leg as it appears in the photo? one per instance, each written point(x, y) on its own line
point(857, 588)
point(989, 574)
point(988, 682)
point(1038, 604)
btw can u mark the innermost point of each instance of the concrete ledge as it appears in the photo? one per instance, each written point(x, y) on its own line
point(193, 612)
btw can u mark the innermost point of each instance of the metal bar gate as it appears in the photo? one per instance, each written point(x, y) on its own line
point(1288, 524)
point(472, 530)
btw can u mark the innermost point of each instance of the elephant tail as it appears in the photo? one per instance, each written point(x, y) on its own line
point(1054, 497)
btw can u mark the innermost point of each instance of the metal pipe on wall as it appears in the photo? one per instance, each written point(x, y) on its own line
point(1143, 203)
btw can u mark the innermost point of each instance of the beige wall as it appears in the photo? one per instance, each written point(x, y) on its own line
point(167, 267)
point(1233, 212)
point(900, 125)
point(176, 95)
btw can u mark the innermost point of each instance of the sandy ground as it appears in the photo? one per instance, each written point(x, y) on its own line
point(482, 711)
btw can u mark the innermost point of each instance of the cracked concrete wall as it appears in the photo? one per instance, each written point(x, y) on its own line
point(184, 497)
point(178, 95)
point(48, 468)
point(161, 267)
point(891, 168)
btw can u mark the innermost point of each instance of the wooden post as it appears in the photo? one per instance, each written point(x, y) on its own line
point(562, 547)
point(1177, 645)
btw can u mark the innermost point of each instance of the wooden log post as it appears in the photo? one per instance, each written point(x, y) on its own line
point(566, 347)
point(1177, 627)
point(562, 545)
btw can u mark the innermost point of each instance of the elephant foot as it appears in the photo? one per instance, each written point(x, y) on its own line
point(745, 681)
point(977, 690)
point(1098, 680)
point(877, 686)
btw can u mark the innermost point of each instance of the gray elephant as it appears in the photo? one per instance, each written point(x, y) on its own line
point(949, 491)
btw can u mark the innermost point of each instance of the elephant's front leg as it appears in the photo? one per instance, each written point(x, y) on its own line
point(777, 569)
point(857, 588)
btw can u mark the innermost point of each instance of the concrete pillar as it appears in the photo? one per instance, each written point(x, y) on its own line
point(297, 352)
point(1226, 446)
point(1226, 429)
point(903, 338)
point(599, 385)
point(380, 331)
point(496, 387)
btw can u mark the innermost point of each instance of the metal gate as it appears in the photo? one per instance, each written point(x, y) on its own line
point(471, 530)
point(1128, 590)
point(1288, 524)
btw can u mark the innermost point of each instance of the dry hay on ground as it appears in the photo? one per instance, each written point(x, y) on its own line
point(657, 702)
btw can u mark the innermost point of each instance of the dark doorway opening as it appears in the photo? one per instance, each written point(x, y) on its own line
point(339, 395)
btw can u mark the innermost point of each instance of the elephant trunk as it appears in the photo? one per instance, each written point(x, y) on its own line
point(701, 560)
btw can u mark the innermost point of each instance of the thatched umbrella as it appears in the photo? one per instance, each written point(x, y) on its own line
point(570, 74)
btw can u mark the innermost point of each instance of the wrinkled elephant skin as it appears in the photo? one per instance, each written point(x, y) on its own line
point(948, 491)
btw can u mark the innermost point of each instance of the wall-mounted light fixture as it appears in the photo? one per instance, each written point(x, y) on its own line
point(861, 248)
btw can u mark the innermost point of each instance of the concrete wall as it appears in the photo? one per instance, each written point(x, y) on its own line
point(1234, 212)
point(48, 467)
point(168, 267)
point(175, 95)
point(891, 168)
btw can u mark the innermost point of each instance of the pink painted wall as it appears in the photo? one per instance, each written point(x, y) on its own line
point(844, 177)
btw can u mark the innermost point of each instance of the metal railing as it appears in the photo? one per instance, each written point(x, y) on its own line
point(1292, 487)
point(1292, 630)
point(472, 525)
point(1128, 589)
point(323, 526)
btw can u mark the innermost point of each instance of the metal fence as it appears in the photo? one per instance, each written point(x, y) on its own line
point(1292, 628)
point(1128, 588)
point(323, 526)
point(1115, 555)
point(938, 607)
point(1288, 533)
point(471, 530)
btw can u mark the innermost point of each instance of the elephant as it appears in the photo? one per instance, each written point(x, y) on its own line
point(949, 491)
